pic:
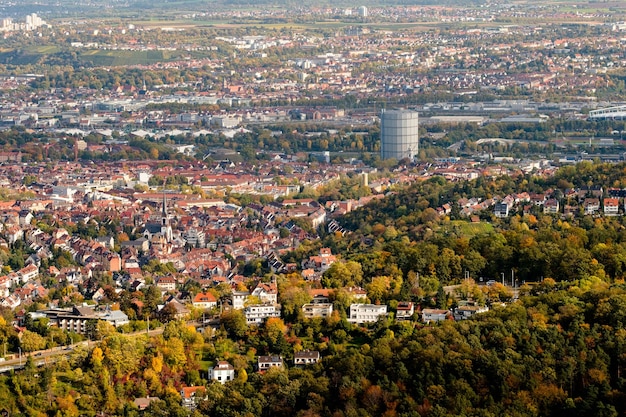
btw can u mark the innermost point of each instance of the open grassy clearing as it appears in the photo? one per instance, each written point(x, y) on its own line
point(467, 229)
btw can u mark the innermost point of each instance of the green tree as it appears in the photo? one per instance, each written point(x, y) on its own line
point(31, 341)
point(234, 321)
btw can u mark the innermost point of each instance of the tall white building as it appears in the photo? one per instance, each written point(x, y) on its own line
point(33, 21)
point(399, 134)
point(363, 12)
point(6, 24)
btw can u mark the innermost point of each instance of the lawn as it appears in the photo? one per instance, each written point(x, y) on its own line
point(122, 58)
point(466, 228)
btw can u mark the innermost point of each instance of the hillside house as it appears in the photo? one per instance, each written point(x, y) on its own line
point(266, 362)
point(431, 314)
point(222, 372)
point(306, 357)
point(366, 313)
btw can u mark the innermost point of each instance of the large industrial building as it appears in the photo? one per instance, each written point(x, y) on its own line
point(399, 135)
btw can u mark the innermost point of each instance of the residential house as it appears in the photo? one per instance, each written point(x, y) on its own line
point(142, 244)
point(258, 313)
point(501, 210)
point(405, 310)
point(313, 310)
point(181, 310)
point(144, 402)
point(320, 295)
point(431, 314)
point(366, 313)
point(5, 286)
point(167, 283)
point(112, 262)
point(222, 372)
point(537, 199)
point(464, 312)
point(570, 211)
point(611, 206)
point(266, 293)
point(28, 273)
point(239, 299)
point(306, 357)
point(551, 206)
point(106, 241)
point(25, 217)
point(356, 293)
point(590, 191)
point(266, 362)
point(98, 295)
point(11, 302)
point(591, 205)
point(204, 300)
point(317, 217)
point(190, 396)
point(194, 237)
point(13, 234)
point(320, 262)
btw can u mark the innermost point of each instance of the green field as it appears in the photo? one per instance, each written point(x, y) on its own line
point(467, 229)
point(121, 58)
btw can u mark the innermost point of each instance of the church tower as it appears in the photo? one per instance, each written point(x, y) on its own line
point(166, 228)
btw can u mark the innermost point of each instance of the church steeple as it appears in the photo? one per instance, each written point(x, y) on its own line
point(164, 208)
point(166, 228)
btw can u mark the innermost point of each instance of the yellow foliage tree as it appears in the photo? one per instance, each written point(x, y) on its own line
point(157, 363)
point(96, 357)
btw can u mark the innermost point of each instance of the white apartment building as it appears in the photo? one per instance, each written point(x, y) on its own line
point(366, 313)
point(258, 313)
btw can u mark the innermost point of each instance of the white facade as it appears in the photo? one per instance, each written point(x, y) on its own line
point(611, 206)
point(222, 372)
point(266, 362)
point(239, 299)
point(195, 237)
point(551, 207)
point(204, 301)
point(258, 313)
point(501, 210)
point(591, 205)
point(266, 293)
point(306, 357)
point(431, 314)
point(167, 283)
point(366, 313)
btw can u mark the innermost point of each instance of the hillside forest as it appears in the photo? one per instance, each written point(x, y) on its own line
point(556, 346)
